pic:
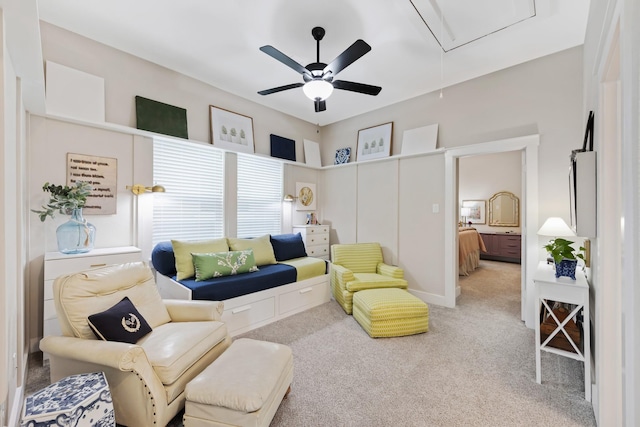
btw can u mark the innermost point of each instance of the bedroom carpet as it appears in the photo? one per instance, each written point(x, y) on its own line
point(475, 367)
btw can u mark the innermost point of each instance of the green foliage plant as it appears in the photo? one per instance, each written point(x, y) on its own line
point(64, 199)
point(560, 249)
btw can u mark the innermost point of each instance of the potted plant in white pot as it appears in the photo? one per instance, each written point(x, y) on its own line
point(564, 256)
point(76, 235)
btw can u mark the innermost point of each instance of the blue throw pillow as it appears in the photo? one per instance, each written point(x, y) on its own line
point(288, 246)
point(122, 322)
point(163, 259)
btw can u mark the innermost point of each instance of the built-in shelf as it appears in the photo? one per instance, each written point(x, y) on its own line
point(113, 127)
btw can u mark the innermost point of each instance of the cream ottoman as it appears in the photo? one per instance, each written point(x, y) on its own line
point(242, 387)
point(390, 312)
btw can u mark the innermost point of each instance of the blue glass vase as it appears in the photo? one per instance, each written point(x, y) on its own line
point(75, 236)
point(566, 267)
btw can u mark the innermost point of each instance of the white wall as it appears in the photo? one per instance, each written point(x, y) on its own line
point(543, 97)
point(377, 206)
point(615, 297)
point(420, 229)
point(12, 248)
point(49, 142)
point(127, 76)
point(480, 177)
point(340, 200)
point(293, 174)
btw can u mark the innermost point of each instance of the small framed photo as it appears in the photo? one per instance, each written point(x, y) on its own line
point(374, 142)
point(306, 196)
point(477, 209)
point(231, 131)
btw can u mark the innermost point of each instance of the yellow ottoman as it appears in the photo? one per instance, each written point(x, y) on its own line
point(390, 312)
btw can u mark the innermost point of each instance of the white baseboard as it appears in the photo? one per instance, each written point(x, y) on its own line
point(429, 298)
point(34, 345)
point(18, 398)
point(14, 415)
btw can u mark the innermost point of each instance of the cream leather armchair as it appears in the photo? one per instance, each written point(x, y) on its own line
point(359, 266)
point(146, 379)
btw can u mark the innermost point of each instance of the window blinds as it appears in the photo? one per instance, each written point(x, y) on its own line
point(259, 196)
point(192, 207)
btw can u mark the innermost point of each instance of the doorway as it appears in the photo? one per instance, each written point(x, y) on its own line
point(529, 208)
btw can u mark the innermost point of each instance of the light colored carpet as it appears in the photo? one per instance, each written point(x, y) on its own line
point(475, 367)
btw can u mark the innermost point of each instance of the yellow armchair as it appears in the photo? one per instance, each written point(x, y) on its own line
point(360, 266)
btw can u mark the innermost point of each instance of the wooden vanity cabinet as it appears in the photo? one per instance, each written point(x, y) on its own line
point(501, 247)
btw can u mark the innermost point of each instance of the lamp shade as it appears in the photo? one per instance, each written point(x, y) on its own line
point(555, 227)
point(465, 211)
point(317, 89)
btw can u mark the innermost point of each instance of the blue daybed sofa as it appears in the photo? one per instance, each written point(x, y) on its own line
point(285, 284)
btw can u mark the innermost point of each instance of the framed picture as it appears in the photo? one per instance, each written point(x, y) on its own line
point(342, 156)
point(374, 142)
point(305, 196)
point(102, 174)
point(231, 131)
point(283, 148)
point(477, 211)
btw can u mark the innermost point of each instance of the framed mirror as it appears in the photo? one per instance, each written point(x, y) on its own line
point(504, 210)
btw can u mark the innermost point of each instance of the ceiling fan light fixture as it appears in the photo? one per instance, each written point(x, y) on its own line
point(317, 89)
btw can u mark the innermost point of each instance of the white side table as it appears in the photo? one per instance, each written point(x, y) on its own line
point(573, 292)
point(316, 239)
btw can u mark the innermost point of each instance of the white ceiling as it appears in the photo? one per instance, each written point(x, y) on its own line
point(217, 41)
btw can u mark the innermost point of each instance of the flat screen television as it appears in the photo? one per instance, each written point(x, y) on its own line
point(582, 186)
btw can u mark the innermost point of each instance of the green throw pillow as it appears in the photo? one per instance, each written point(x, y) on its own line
point(209, 265)
point(182, 251)
point(262, 249)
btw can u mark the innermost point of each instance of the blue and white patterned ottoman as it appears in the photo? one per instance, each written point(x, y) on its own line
point(76, 401)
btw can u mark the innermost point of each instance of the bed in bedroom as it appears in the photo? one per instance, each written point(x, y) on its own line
point(469, 246)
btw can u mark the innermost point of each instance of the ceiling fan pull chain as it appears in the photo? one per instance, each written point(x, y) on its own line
point(441, 53)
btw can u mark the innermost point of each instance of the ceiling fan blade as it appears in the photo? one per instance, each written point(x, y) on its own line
point(356, 87)
point(276, 54)
point(348, 57)
point(280, 88)
point(320, 105)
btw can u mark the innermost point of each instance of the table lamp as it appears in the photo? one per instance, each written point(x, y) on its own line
point(465, 212)
point(555, 227)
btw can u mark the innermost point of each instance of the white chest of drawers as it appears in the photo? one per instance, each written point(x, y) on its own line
point(57, 264)
point(315, 238)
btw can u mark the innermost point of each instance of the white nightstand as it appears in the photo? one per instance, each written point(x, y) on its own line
point(57, 264)
point(567, 291)
point(315, 238)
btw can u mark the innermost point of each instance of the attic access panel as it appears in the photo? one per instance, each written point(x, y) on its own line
point(455, 23)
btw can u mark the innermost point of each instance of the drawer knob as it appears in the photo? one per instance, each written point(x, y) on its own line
point(305, 290)
point(98, 265)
